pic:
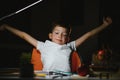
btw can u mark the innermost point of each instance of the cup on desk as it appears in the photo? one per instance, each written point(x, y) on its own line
point(26, 70)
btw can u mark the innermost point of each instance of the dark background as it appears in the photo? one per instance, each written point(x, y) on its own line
point(36, 20)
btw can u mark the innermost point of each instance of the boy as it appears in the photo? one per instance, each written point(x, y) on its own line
point(55, 54)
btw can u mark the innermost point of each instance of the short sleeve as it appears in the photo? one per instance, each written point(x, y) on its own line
point(40, 45)
point(72, 45)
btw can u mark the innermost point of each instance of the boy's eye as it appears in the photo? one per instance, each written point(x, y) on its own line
point(56, 33)
point(64, 34)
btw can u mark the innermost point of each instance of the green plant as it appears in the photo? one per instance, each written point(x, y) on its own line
point(25, 58)
point(26, 68)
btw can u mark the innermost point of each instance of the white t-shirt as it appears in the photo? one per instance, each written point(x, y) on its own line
point(55, 56)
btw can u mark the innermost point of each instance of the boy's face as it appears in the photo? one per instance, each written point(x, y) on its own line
point(59, 35)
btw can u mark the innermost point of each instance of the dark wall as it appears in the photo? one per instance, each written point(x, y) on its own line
point(12, 46)
point(110, 36)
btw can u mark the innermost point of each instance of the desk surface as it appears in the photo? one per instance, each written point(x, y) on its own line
point(14, 73)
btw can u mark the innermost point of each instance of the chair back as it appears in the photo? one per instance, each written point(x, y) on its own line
point(37, 63)
point(36, 60)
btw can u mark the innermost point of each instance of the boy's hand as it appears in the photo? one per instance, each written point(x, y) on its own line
point(107, 21)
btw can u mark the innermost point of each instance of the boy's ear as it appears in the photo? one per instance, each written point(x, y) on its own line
point(50, 35)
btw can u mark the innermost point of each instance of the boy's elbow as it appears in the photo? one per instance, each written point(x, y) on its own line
point(23, 35)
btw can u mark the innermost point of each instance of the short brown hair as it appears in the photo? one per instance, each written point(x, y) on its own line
point(62, 24)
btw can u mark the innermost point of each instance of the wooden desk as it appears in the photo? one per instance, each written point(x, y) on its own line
point(14, 73)
point(103, 70)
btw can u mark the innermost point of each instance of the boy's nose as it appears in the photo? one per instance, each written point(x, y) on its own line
point(60, 35)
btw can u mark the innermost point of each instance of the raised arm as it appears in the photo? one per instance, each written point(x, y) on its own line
point(106, 22)
point(20, 34)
